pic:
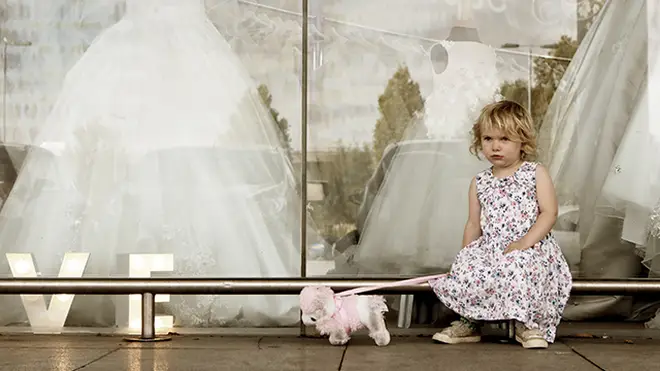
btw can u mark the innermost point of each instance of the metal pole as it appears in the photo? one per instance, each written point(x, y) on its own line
point(148, 326)
point(529, 81)
point(148, 316)
point(303, 148)
point(303, 141)
point(275, 286)
point(4, 90)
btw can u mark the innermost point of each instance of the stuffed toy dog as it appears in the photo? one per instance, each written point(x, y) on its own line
point(339, 316)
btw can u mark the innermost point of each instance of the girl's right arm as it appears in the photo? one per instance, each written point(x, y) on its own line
point(473, 225)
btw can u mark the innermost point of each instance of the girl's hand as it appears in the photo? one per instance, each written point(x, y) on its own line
point(515, 246)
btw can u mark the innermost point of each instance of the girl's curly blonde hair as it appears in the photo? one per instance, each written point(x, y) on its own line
point(510, 118)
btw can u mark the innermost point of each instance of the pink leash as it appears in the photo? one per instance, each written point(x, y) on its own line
point(411, 281)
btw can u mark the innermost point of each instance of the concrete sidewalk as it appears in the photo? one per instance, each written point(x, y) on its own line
point(216, 353)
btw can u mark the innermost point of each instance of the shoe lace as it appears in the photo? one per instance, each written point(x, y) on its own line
point(462, 325)
point(532, 333)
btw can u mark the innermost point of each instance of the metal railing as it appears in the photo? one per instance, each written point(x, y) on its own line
point(148, 288)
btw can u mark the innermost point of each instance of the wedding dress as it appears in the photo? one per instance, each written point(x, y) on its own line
point(633, 183)
point(416, 221)
point(159, 143)
point(600, 142)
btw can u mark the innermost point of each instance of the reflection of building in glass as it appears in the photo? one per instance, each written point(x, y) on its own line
point(464, 28)
point(269, 44)
point(41, 44)
point(353, 54)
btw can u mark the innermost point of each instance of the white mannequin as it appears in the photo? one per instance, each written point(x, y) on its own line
point(468, 81)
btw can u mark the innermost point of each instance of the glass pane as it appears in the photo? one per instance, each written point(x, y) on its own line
point(395, 89)
point(154, 135)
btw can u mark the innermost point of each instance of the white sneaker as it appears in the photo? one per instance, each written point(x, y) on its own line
point(530, 338)
point(459, 332)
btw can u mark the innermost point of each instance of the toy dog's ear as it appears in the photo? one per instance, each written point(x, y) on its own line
point(326, 298)
point(308, 299)
point(313, 298)
point(325, 291)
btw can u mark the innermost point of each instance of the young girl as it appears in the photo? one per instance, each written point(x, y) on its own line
point(511, 267)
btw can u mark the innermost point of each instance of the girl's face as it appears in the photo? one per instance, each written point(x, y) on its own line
point(499, 149)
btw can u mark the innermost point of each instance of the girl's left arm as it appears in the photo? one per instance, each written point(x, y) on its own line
point(548, 209)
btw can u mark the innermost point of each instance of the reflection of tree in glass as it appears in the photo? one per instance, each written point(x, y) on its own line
point(282, 123)
point(253, 109)
point(399, 105)
point(549, 72)
point(346, 171)
point(547, 75)
point(587, 10)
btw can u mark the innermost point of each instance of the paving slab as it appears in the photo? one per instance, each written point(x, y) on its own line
point(61, 341)
point(626, 330)
point(60, 359)
point(618, 354)
point(223, 353)
point(201, 353)
point(422, 354)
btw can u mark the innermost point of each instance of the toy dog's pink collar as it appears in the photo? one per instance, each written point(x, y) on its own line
point(340, 314)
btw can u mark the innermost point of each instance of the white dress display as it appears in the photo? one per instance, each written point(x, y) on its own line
point(159, 143)
point(469, 82)
point(633, 184)
point(600, 142)
point(417, 218)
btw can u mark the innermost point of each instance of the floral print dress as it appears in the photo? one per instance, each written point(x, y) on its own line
point(531, 286)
